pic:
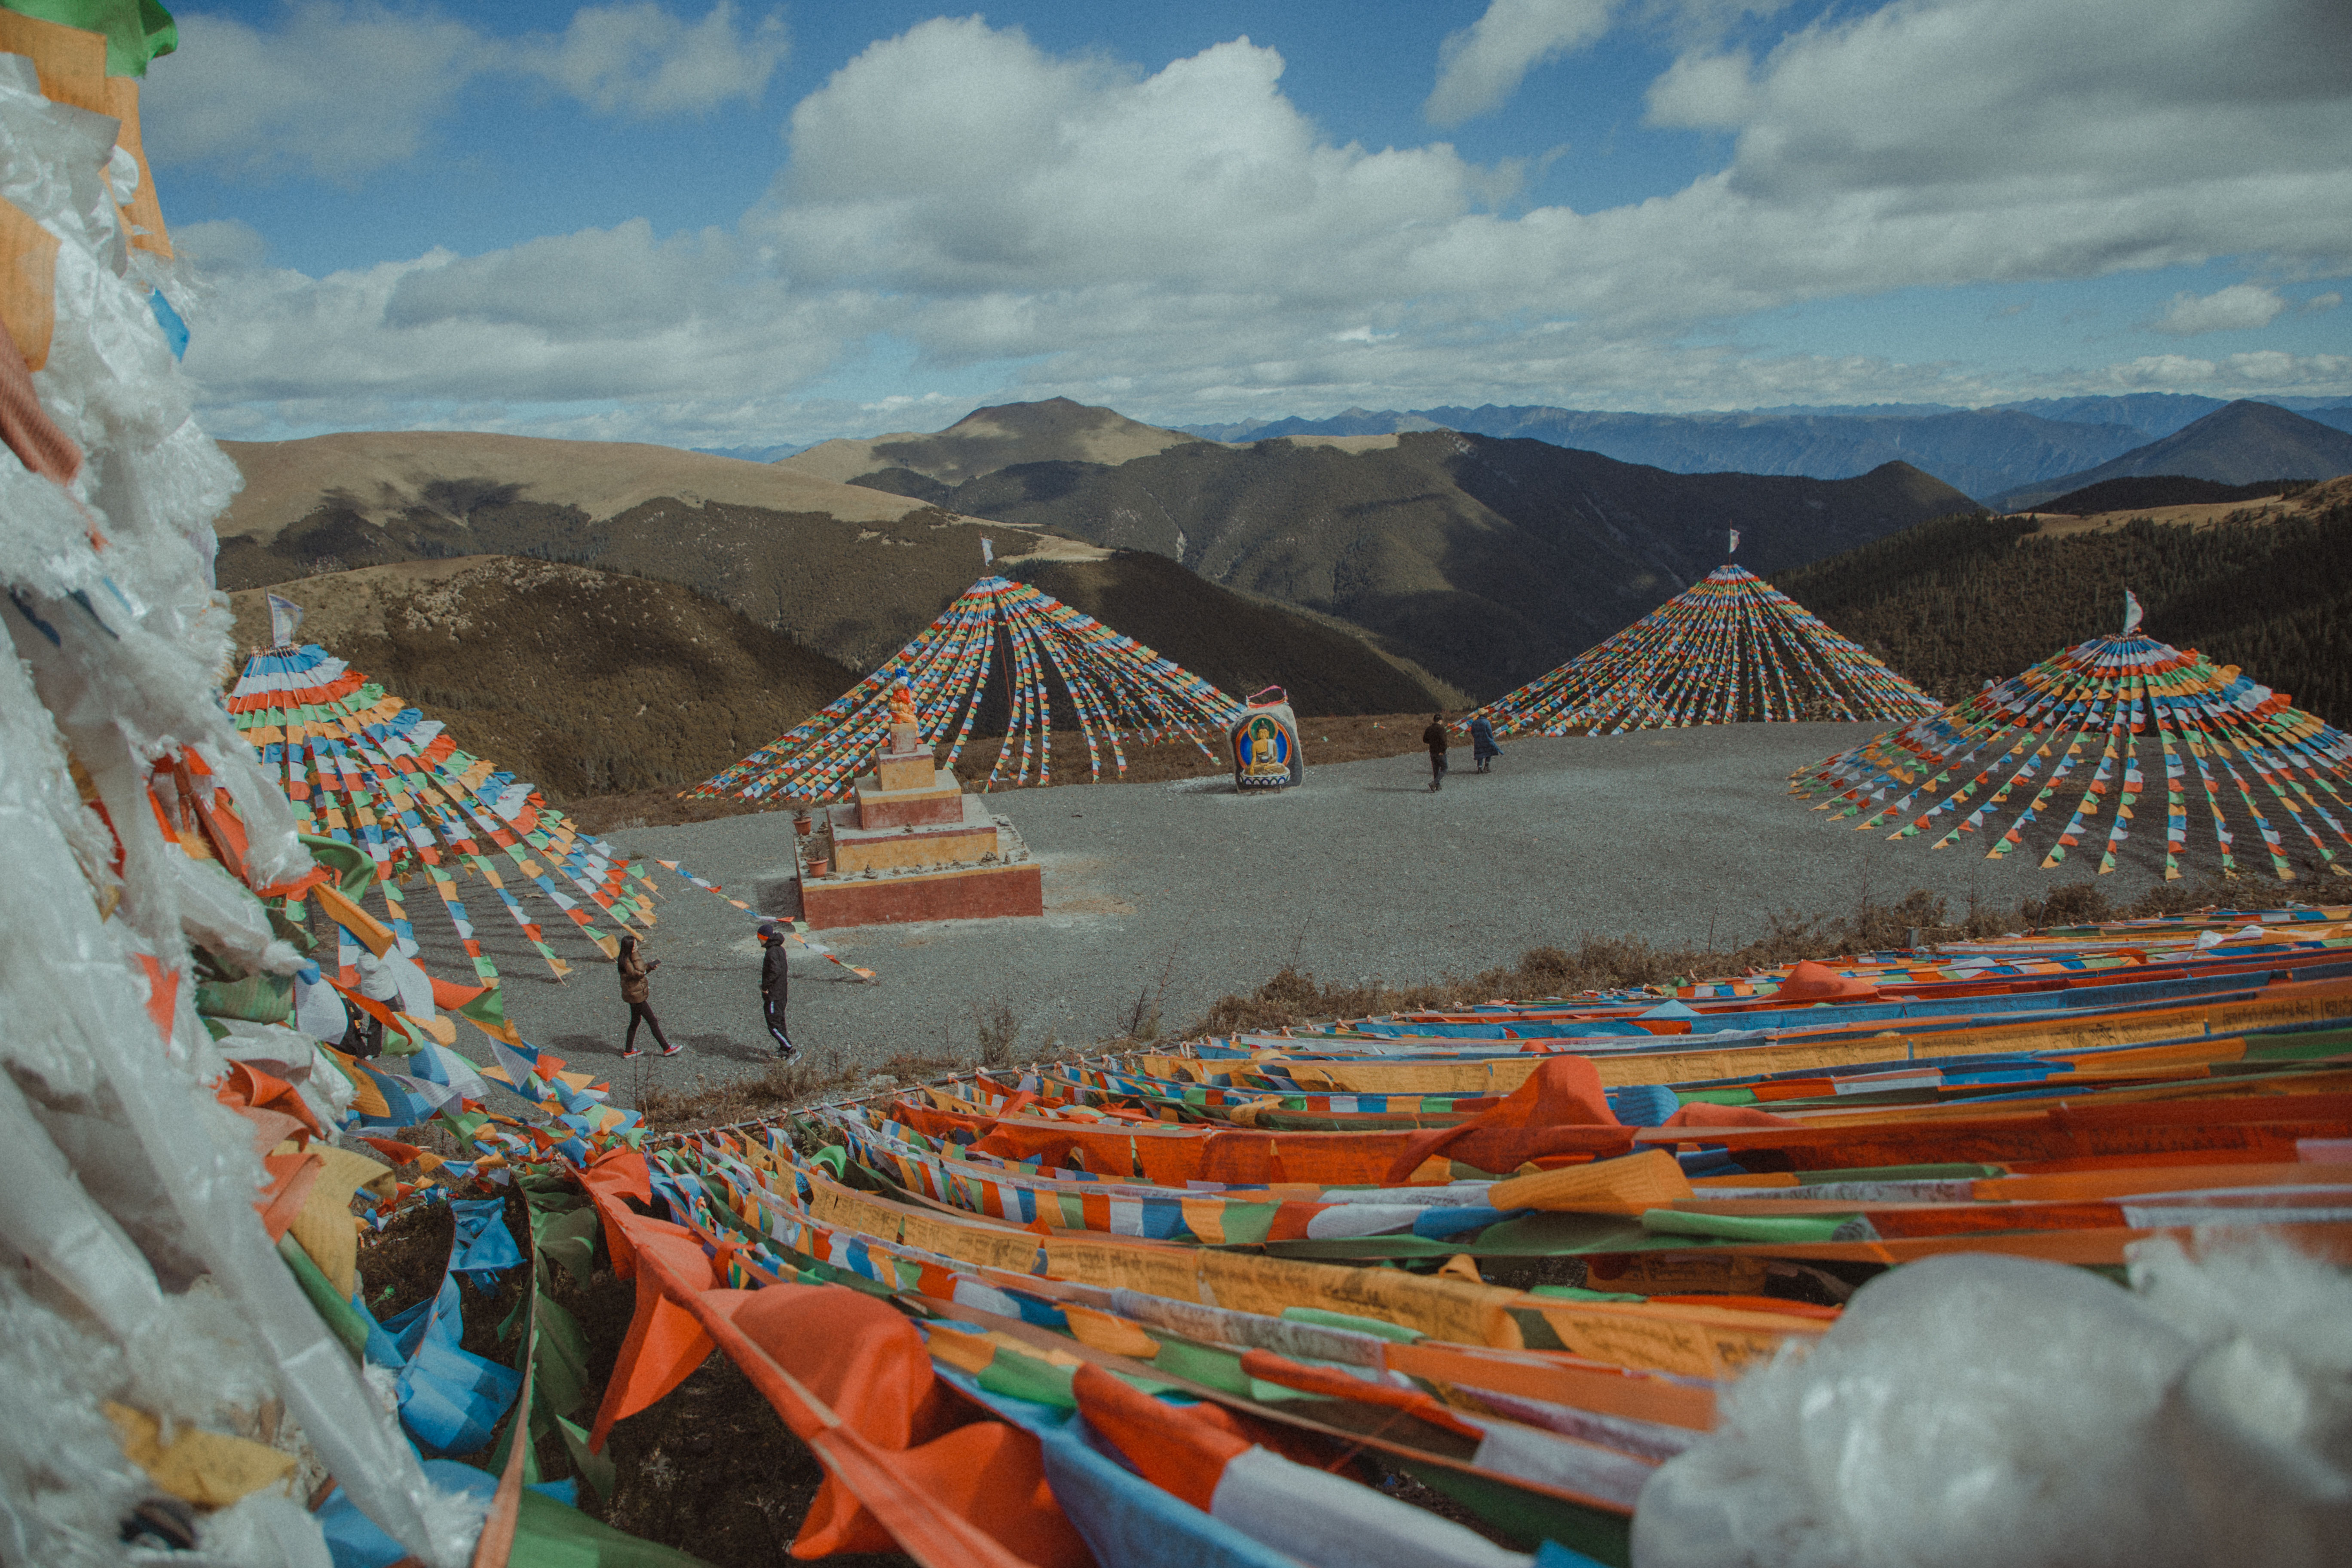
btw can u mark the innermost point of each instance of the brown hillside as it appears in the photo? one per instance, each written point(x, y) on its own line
point(382, 474)
point(1486, 561)
point(584, 681)
point(1235, 642)
point(841, 569)
point(854, 582)
point(987, 439)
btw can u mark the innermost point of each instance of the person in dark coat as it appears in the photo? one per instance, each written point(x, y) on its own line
point(1434, 739)
point(636, 990)
point(774, 984)
point(1483, 749)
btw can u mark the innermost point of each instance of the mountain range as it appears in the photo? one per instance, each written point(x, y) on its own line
point(2240, 443)
point(1984, 452)
point(1485, 562)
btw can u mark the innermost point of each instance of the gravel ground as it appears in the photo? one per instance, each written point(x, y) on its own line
point(1181, 893)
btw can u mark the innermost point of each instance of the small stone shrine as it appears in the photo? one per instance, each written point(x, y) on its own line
point(1265, 739)
point(912, 845)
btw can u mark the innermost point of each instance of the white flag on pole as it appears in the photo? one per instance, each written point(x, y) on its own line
point(987, 553)
point(1735, 543)
point(285, 617)
point(2131, 612)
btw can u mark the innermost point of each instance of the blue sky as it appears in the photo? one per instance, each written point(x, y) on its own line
point(739, 225)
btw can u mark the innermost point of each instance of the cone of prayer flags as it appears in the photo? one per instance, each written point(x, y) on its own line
point(1732, 649)
point(1117, 687)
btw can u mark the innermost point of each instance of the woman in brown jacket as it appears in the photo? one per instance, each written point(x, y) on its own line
point(636, 990)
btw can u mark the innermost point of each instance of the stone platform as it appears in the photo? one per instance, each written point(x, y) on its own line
point(975, 869)
point(934, 798)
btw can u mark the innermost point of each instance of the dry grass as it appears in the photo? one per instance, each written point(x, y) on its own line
point(1606, 964)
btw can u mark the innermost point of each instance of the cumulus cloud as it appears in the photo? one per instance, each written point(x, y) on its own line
point(640, 59)
point(1482, 65)
point(2240, 307)
point(339, 91)
point(960, 161)
point(1186, 241)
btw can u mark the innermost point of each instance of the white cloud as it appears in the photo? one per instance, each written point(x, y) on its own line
point(339, 91)
point(962, 162)
point(1188, 242)
point(1482, 65)
point(639, 58)
point(2319, 302)
point(2240, 307)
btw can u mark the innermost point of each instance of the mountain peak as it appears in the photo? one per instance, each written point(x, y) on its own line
point(1054, 430)
point(2240, 443)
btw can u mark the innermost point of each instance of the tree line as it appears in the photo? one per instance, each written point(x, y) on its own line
point(1964, 599)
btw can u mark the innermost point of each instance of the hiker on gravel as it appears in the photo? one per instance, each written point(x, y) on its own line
point(636, 989)
point(774, 984)
point(1434, 739)
point(1483, 749)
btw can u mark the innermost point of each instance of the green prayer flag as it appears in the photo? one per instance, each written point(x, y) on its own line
point(136, 31)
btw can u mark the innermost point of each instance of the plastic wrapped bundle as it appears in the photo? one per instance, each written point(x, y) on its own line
point(150, 1320)
point(1989, 1412)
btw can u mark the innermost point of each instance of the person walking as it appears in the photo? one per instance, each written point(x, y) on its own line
point(636, 990)
point(1483, 749)
point(1434, 739)
point(775, 983)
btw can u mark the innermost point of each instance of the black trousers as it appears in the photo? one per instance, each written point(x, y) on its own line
point(640, 1013)
point(773, 1008)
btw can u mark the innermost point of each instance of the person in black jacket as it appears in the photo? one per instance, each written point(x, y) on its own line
point(1434, 739)
point(774, 984)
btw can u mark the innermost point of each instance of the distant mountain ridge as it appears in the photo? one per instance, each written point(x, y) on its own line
point(2238, 444)
point(1982, 451)
point(1484, 561)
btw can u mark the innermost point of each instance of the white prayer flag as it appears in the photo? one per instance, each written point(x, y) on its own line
point(285, 619)
point(1735, 543)
point(987, 553)
point(2131, 612)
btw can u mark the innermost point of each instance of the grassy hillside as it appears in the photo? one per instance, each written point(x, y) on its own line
point(852, 582)
point(1486, 561)
point(587, 682)
point(1962, 600)
point(1235, 642)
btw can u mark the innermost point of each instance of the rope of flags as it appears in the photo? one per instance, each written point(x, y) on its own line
point(796, 929)
point(364, 769)
point(1120, 689)
point(2108, 704)
point(1730, 649)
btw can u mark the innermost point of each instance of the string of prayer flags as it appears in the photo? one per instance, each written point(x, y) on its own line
point(1731, 649)
point(797, 929)
point(2129, 710)
point(363, 768)
point(1118, 688)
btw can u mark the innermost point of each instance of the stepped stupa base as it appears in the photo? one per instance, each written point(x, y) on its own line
point(927, 883)
point(912, 847)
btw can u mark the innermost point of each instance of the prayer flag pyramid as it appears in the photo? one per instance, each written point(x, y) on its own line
point(1731, 649)
point(1116, 685)
point(2213, 734)
point(366, 769)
